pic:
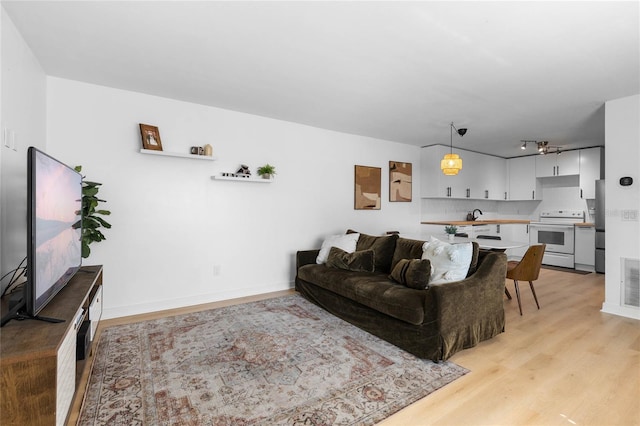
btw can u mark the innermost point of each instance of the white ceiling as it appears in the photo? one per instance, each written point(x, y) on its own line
point(400, 71)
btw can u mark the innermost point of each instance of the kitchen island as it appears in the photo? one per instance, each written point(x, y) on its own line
point(513, 231)
point(477, 222)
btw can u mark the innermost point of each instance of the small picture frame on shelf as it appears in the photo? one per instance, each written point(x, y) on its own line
point(150, 137)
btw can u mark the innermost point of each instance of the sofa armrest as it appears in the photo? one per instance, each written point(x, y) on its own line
point(306, 257)
point(472, 310)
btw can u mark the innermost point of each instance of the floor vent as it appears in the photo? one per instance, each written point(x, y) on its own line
point(631, 282)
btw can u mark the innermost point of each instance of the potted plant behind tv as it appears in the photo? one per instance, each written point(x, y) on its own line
point(91, 220)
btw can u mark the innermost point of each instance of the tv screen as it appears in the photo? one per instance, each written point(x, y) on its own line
point(54, 228)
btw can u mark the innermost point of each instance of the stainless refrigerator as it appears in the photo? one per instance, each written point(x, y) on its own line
point(600, 219)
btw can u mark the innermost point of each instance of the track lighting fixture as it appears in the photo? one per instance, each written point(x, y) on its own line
point(543, 147)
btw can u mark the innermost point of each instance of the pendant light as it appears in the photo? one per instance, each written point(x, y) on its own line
point(451, 164)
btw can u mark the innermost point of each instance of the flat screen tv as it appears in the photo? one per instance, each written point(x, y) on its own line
point(54, 228)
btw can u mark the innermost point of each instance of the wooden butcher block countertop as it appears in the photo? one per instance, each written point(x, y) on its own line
point(477, 222)
point(585, 224)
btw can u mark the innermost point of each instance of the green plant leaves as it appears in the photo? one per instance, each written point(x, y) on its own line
point(90, 221)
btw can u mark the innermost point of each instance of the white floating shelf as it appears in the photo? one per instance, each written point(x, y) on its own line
point(241, 179)
point(179, 155)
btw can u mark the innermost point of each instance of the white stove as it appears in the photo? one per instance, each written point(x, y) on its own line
point(556, 229)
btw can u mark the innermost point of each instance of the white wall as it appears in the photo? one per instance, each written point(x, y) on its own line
point(23, 112)
point(174, 227)
point(622, 238)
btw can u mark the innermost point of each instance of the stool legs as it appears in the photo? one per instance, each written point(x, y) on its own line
point(534, 293)
point(515, 282)
point(507, 293)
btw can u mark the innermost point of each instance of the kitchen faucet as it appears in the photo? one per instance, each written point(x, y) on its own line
point(473, 213)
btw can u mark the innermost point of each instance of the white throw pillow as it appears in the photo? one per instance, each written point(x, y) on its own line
point(346, 242)
point(449, 262)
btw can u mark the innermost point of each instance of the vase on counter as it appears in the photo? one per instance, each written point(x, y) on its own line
point(451, 237)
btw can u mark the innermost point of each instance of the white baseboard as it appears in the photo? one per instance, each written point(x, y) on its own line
point(622, 311)
point(182, 302)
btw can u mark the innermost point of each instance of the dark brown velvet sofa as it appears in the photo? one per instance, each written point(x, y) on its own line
point(434, 323)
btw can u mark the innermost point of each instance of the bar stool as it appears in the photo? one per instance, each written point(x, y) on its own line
point(527, 269)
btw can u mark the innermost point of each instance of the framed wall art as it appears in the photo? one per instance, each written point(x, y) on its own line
point(150, 137)
point(367, 188)
point(399, 181)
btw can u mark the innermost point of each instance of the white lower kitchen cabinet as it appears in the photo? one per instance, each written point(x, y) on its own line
point(585, 248)
point(516, 232)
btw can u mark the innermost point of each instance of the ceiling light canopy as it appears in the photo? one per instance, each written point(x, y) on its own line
point(451, 164)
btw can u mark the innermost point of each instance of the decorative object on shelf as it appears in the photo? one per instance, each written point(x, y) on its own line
point(400, 181)
point(150, 137)
point(266, 171)
point(244, 170)
point(208, 150)
point(90, 222)
point(240, 178)
point(197, 150)
point(451, 231)
point(451, 164)
point(235, 175)
point(367, 188)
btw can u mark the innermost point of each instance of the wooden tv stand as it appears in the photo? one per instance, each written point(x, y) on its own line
point(38, 368)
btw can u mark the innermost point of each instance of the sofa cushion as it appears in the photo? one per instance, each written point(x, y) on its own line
point(346, 242)
point(358, 261)
point(374, 290)
point(406, 249)
point(449, 262)
point(383, 246)
point(413, 273)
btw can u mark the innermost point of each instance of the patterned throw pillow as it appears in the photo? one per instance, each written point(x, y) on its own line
point(358, 261)
point(449, 262)
point(414, 273)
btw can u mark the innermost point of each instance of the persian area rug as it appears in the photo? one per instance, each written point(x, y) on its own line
point(278, 361)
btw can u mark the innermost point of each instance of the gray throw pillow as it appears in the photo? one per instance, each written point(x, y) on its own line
point(414, 273)
point(358, 261)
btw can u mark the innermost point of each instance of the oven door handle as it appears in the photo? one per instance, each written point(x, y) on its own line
point(537, 226)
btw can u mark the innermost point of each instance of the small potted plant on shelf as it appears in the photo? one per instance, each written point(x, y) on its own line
point(266, 171)
point(451, 231)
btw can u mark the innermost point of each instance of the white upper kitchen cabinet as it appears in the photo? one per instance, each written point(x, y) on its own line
point(482, 176)
point(563, 164)
point(591, 169)
point(523, 184)
point(433, 183)
point(490, 176)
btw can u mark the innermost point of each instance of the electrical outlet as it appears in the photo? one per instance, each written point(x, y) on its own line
point(629, 215)
point(216, 270)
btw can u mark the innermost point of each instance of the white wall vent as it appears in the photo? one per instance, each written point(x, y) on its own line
point(630, 282)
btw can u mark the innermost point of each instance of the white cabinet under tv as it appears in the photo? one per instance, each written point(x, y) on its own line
point(38, 367)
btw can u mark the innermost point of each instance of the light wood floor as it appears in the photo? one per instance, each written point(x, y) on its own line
point(566, 364)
